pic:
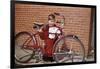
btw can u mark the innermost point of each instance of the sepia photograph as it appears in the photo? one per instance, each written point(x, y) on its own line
point(50, 34)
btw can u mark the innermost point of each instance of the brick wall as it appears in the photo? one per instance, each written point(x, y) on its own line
point(77, 19)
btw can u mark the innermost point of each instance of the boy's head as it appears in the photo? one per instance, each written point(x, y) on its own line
point(51, 19)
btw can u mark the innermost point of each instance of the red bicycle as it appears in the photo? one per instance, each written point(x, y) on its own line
point(28, 46)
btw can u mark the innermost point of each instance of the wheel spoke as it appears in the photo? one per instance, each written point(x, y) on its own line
point(24, 56)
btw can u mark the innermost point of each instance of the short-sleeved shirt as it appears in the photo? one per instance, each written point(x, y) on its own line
point(49, 32)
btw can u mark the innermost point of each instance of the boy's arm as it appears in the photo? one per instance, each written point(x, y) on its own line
point(59, 33)
point(42, 32)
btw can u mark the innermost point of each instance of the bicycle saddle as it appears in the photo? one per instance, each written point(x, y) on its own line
point(37, 25)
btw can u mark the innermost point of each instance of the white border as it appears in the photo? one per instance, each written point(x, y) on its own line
point(5, 33)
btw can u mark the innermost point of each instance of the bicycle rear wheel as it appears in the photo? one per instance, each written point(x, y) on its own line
point(69, 49)
point(23, 47)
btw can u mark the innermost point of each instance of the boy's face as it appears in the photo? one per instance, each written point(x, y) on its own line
point(51, 22)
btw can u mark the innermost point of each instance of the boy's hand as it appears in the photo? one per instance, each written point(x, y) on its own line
point(60, 36)
point(40, 30)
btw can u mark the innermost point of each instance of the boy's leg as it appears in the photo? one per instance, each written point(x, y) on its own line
point(48, 49)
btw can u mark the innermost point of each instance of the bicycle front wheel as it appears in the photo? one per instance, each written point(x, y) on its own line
point(69, 49)
point(23, 47)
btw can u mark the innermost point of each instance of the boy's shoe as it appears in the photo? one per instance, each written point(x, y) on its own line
point(45, 58)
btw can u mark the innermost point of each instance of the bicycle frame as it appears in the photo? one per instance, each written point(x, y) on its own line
point(36, 44)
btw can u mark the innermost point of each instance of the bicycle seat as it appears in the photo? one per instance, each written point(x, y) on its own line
point(37, 25)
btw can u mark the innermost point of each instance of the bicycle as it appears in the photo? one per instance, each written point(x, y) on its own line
point(68, 48)
point(27, 48)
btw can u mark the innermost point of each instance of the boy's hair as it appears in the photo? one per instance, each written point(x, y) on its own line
point(51, 17)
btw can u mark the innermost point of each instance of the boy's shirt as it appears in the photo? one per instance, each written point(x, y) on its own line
point(53, 31)
point(49, 36)
point(49, 32)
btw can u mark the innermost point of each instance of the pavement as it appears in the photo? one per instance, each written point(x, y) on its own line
point(34, 61)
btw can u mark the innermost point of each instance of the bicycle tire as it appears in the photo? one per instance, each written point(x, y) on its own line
point(74, 37)
point(32, 53)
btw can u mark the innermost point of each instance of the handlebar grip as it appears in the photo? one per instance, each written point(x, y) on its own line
point(74, 36)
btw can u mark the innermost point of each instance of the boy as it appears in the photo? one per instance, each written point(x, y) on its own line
point(49, 33)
